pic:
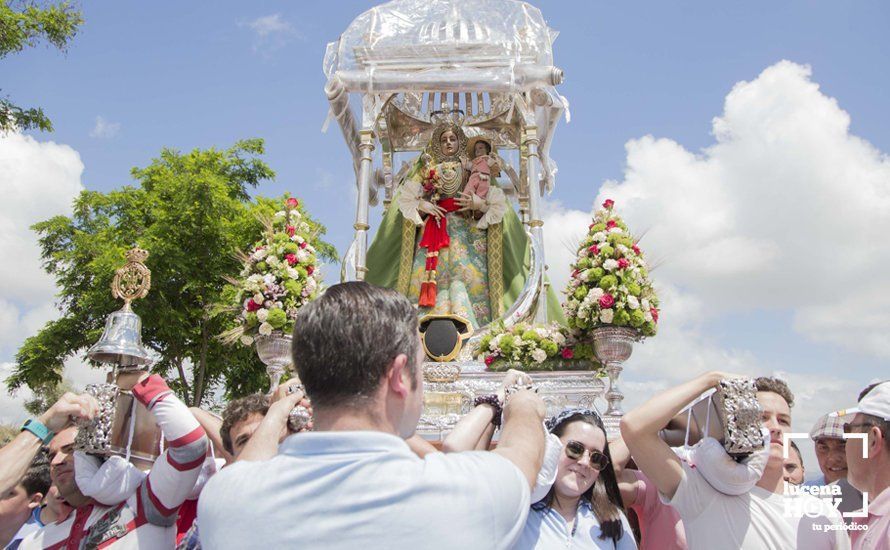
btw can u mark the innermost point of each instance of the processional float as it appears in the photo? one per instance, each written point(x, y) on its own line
point(395, 72)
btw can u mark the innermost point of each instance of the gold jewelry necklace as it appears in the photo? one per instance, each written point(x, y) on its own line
point(450, 178)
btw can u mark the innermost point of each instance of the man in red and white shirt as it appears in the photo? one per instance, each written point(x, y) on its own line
point(147, 519)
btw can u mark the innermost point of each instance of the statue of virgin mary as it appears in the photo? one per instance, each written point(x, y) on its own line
point(451, 252)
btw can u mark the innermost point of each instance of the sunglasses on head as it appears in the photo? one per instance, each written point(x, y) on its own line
point(575, 450)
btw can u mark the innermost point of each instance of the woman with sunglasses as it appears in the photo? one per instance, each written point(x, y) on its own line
point(583, 508)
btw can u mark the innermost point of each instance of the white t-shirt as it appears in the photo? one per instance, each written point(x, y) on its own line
point(756, 520)
point(356, 490)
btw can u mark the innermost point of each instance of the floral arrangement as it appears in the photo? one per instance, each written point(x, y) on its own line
point(535, 347)
point(279, 276)
point(610, 283)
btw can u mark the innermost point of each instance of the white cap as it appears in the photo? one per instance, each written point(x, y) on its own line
point(876, 403)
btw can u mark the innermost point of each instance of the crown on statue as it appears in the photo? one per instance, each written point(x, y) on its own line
point(137, 255)
point(450, 117)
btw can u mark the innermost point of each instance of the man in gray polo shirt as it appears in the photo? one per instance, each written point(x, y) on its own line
point(353, 482)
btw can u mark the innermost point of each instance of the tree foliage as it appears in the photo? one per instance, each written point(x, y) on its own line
point(44, 397)
point(191, 212)
point(26, 27)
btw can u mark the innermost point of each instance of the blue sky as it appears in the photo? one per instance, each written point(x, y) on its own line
point(185, 75)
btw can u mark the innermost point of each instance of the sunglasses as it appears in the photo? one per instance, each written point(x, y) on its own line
point(575, 450)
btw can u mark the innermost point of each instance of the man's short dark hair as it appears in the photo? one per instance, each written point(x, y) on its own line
point(345, 340)
point(238, 410)
point(796, 449)
point(37, 478)
point(775, 385)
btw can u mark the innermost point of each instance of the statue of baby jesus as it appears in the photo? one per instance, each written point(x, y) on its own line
point(482, 166)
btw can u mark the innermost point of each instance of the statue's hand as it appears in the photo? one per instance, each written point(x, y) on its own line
point(468, 201)
point(429, 208)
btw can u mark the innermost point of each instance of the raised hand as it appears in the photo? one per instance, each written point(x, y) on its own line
point(68, 408)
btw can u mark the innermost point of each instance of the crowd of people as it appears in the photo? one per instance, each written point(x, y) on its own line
point(359, 476)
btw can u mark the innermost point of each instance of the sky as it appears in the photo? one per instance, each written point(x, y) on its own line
point(747, 140)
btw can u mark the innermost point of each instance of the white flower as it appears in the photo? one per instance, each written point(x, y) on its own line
point(539, 355)
point(259, 298)
point(648, 316)
point(273, 261)
point(559, 338)
point(269, 279)
point(262, 314)
point(623, 249)
point(246, 340)
point(260, 254)
point(302, 255)
point(645, 304)
point(633, 302)
point(606, 315)
point(293, 273)
point(582, 276)
point(296, 214)
point(615, 230)
point(595, 294)
point(583, 253)
point(311, 285)
point(255, 278)
point(583, 313)
point(574, 282)
point(599, 236)
point(304, 227)
point(265, 329)
point(280, 214)
point(310, 249)
point(610, 265)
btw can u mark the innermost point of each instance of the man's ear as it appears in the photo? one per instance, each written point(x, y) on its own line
point(398, 376)
point(35, 500)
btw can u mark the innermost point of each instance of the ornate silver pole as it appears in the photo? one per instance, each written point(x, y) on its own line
point(613, 346)
point(362, 204)
point(530, 140)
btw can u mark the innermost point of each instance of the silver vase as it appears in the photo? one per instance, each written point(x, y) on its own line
point(613, 346)
point(275, 352)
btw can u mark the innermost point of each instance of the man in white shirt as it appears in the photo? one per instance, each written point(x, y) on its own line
point(764, 518)
point(354, 482)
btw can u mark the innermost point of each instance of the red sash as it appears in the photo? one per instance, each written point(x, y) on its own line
point(435, 237)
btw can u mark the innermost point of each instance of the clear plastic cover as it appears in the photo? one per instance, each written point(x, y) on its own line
point(414, 35)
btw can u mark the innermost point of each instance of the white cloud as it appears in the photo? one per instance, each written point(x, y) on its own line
point(271, 32)
point(787, 210)
point(105, 129)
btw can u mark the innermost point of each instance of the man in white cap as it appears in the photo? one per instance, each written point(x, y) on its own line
point(868, 463)
point(828, 436)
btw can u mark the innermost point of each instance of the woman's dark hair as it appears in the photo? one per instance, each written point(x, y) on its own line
point(603, 495)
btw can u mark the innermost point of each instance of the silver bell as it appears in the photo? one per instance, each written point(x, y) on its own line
point(121, 342)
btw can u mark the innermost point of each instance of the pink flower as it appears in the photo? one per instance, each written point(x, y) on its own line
point(607, 301)
point(608, 204)
point(304, 244)
point(291, 258)
point(576, 273)
point(623, 263)
point(292, 202)
point(567, 353)
point(594, 249)
point(654, 313)
point(310, 270)
point(250, 305)
point(290, 230)
point(489, 359)
point(636, 250)
point(610, 224)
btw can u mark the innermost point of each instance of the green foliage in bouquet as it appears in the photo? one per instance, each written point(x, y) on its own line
point(610, 283)
point(535, 347)
point(279, 275)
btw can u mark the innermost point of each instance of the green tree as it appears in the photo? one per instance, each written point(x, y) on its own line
point(191, 212)
point(26, 27)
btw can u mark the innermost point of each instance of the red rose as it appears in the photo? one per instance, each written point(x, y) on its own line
point(259, 248)
point(304, 244)
point(310, 270)
point(610, 224)
point(253, 306)
point(292, 202)
point(623, 263)
point(290, 230)
point(636, 250)
point(594, 249)
point(489, 359)
point(607, 301)
point(567, 353)
point(609, 203)
point(654, 313)
point(291, 258)
point(576, 273)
